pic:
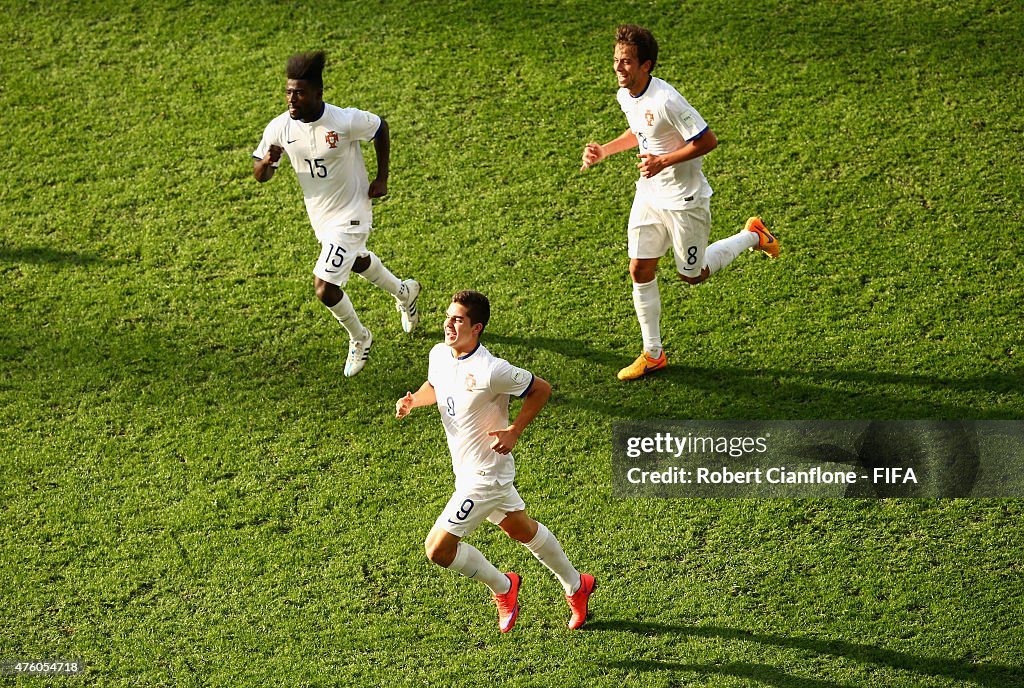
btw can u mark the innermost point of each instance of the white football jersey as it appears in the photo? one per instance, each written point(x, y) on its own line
point(473, 394)
point(663, 121)
point(329, 164)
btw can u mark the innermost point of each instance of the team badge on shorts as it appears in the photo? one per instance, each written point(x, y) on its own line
point(649, 116)
point(332, 139)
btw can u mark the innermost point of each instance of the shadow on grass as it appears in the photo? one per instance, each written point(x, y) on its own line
point(994, 675)
point(44, 256)
point(760, 674)
point(889, 393)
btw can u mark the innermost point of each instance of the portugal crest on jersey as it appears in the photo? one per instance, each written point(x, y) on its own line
point(332, 139)
point(470, 382)
point(649, 116)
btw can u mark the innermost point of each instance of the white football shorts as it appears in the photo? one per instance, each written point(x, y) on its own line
point(338, 250)
point(467, 509)
point(653, 230)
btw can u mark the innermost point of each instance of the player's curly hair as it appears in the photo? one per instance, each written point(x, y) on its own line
point(308, 67)
point(478, 308)
point(641, 39)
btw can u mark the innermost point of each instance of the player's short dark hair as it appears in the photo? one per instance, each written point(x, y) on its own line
point(478, 308)
point(642, 39)
point(308, 67)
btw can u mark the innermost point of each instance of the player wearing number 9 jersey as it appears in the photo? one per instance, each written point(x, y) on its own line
point(322, 142)
point(472, 389)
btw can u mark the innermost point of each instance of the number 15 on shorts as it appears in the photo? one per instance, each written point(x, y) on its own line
point(333, 257)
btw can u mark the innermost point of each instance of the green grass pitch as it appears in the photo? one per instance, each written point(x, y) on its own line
point(192, 495)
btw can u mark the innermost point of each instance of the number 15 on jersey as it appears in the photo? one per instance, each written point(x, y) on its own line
point(316, 167)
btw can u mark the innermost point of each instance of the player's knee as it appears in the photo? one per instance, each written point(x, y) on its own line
point(433, 552)
point(438, 553)
point(641, 274)
point(329, 294)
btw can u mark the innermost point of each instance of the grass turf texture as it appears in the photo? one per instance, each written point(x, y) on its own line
point(193, 495)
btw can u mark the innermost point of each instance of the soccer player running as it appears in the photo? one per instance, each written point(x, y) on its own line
point(322, 142)
point(472, 389)
point(672, 202)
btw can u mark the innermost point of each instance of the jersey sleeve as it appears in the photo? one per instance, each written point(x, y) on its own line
point(684, 118)
point(271, 137)
point(432, 366)
point(508, 379)
point(362, 125)
point(620, 97)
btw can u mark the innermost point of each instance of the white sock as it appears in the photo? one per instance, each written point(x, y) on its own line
point(549, 552)
point(471, 564)
point(725, 251)
point(346, 315)
point(380, 277)
point(647, 302)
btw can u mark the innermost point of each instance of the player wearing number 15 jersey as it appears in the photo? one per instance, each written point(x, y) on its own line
point(472, 389)
point(322, 142)
point(672, 206)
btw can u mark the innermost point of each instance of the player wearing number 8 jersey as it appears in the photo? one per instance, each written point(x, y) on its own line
point(472, 389)
point(322, 142)
point(671, 207)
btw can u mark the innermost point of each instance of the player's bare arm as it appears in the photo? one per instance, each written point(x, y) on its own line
point(382, 147)
point(651, 165)
point(263, 169)
point(424, 396)
point(595, 152)
point(505, 440)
